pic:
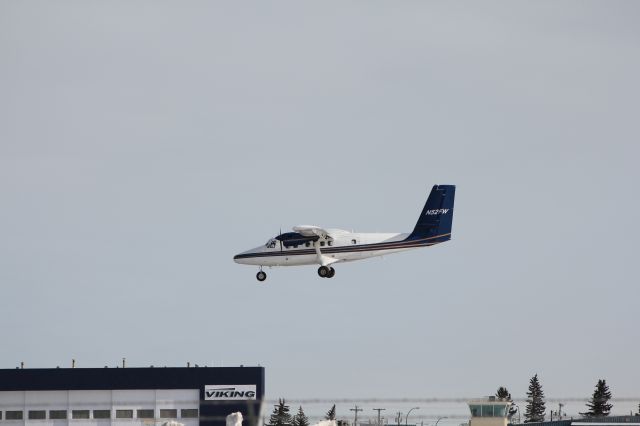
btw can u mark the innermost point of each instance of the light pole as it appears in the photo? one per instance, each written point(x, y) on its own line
point(518, 409)
point(406, 419)
point(440, 418)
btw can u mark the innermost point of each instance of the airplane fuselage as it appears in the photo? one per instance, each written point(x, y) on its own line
point(342, 246)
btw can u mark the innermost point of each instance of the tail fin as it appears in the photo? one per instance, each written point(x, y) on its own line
point(437, 215)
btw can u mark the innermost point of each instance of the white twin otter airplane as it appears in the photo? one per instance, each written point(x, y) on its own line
point(311, 245)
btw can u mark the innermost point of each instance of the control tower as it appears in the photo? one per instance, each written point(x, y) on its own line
point(491, 411)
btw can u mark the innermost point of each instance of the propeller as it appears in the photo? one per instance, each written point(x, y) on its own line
point(280, 238)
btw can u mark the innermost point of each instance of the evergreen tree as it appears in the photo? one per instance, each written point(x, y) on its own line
point(504, 394)
point(300, 419)
point(599, 405)
point(280, 415)
point(331, 414)
point(535, 409)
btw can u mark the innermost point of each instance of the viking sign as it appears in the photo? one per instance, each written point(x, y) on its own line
point(229, 392)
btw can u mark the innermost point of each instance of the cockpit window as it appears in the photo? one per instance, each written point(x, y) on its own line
point(271, 243)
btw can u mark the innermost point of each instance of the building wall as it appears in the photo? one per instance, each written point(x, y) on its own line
point(116, 389)
point(488, 421)
point(117, 402)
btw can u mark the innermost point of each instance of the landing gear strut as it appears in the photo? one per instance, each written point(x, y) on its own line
point(261, 276)
point(326, 272)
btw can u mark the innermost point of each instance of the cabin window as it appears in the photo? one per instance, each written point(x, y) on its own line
point(353, 241)
point(329, 243)
point(322, 243)
point(295, 246)
point(307, 244)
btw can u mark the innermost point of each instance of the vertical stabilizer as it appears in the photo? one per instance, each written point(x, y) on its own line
point(436, 218)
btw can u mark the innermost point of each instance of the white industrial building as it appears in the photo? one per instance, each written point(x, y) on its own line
point(194, 396)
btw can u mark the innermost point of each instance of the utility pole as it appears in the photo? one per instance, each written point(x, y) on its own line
point(399, 418)
point(355, 420)
point(378, 410)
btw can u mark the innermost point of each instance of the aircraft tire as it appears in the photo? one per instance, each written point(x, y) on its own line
point(323, 271)
point(261, 276)
point(332, 272)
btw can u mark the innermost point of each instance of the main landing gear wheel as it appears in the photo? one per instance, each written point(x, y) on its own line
point(261, 276)
point(326, 272)
point(323, 271)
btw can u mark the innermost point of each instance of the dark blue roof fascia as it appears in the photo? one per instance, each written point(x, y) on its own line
point(32, 379)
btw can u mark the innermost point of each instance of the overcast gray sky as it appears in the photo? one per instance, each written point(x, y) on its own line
point(143, 144)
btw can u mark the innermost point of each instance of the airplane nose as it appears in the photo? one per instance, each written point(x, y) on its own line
point(241, 258)
point(246, 257)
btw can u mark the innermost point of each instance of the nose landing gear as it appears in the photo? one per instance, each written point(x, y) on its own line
point(261, 276)
point(326, 272)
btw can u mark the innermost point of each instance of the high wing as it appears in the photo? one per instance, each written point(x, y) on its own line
point(311, 231)
point(316, 231)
